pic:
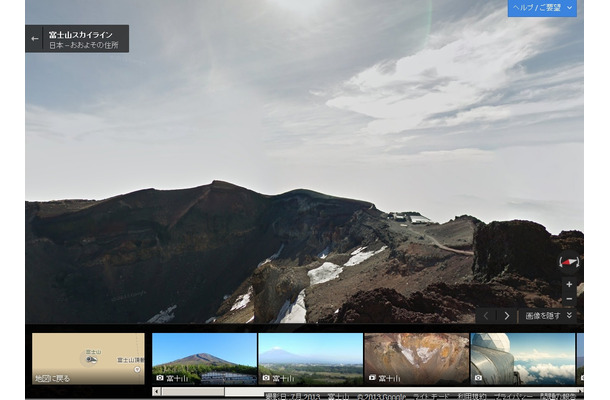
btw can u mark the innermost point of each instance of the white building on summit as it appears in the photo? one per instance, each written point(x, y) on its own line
point(497, 341)
point(491, 362)
point(419, 219)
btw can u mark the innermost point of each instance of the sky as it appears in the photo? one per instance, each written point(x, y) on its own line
point(343, 347)
point(238, 348)
point(544, 358)
point(441, 107)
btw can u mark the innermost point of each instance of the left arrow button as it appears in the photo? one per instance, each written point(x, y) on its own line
point(33, 38)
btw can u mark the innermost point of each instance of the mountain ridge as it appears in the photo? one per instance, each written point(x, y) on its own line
point(198, 359)
point(147, 242)
point(223, 253)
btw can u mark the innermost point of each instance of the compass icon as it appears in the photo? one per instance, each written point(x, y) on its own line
point(569, 262)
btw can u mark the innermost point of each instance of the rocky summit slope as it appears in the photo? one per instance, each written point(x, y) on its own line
point(201, 359)
point(159, 256)
point(428, 359)
point(222, 253)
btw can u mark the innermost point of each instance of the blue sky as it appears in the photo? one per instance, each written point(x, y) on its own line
point(481, 113)
point(238, 348)
point(580, 344)
point(542, 345)
point(340, 347)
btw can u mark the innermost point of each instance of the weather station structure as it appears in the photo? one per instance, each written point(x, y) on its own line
point(491, 362)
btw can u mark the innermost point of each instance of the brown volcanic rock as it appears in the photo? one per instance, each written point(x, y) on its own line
point(381, 305)
point(408, 285)
point(125, 258)
point(274, 286)
point(409, 264)
point(571, 240)
point(457, 233)
point(507, 250)
point(521, 247)
point(456, 301)
point(437, 303)
point(418, 358)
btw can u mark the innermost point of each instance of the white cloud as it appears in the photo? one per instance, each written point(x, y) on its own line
point(476, 113)
point(554, 371)
point(461, 78)
point(59, 125)
point(538, 372)
point(185, 138)
point(540, 110)
point(524, 374)
point(451, 155)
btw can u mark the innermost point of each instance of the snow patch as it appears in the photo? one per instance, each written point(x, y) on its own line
point(163, 316)
point(243, 300)
point(360, 255)
point(296, 312)
point(409, 355)
point(324, 273)
point(358, 250)
point(423, 354)
point(272, 257)
point(210, 320)
point(282, 313)
point(426, 353)
point(250, 320)
point(292, 313)
point(324, 253)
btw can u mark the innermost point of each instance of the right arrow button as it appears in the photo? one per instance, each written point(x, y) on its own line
point(507, 315)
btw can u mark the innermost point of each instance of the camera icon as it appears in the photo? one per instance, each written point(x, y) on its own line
point(266, 377)
point(478, 377)
point(160, 377)
point(372, 377)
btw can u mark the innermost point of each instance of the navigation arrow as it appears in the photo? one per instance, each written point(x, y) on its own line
point(34, 38)
point(569, 7)
point(485, 315)
point(569, 315)
point(507, 315)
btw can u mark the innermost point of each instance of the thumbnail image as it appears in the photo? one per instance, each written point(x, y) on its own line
point(310, 359)
point(88, 358)
point(580, 358)
point(522, 359)
point(416, 358)
point(204, 358)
